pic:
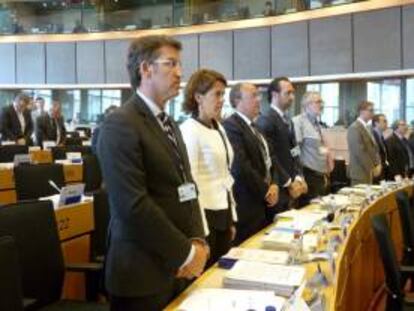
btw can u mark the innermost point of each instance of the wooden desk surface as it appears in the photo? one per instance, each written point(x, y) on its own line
point(354, 285)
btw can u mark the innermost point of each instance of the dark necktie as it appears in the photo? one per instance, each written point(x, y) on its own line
point(169, 130)
point(263, 150)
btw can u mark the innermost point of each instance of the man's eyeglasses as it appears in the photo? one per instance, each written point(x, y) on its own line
point(170, 63)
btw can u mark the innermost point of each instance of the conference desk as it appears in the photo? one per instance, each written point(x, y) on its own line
point(358, 283)
point(73, 173)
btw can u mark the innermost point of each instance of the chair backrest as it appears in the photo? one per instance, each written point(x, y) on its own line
point(407, 226)
point(11, 297)
point(84, 150)
point(33, 227)
point(389, 259)
point(32, 181)
point(101, 220)
point(73, 141)
point(8, 152)
point(58, 153)
point(92, 176)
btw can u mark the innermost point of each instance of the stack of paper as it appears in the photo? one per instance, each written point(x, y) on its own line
point(278, 239)
point(218, 299)
point(283, 280)
point(258, 255)
point(355, 191)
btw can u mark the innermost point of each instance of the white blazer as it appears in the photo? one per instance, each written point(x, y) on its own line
point(209, 167)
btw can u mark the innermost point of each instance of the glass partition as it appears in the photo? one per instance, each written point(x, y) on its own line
point(79, 16)
point(394, 97)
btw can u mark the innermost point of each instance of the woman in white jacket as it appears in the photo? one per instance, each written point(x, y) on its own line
point(211, 157)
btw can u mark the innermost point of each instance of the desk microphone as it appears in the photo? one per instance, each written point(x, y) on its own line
point(52, 183)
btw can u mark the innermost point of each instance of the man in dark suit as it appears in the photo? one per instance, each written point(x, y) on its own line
point(51, 127)
point(254, 188)
point(278, 130)
point(156, 233)
point(16, 121)
point(379, 126)
point(400, 155)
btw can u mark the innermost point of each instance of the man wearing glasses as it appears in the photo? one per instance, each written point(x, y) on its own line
point(364, 158)
point(315, 155)
point(156, 237)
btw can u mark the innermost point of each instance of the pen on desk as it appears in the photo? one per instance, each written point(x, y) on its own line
point(52, 183)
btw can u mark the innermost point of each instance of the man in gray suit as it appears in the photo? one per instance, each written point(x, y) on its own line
point(156, 238)
point(364, 158)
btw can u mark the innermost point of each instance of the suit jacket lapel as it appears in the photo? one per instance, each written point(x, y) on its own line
point(153, 125)
point(253, 140)
point(15, 120)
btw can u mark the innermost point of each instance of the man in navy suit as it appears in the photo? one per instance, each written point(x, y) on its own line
point(255, 188)
point(277, 127)
point(16, 121)
point(156, 237)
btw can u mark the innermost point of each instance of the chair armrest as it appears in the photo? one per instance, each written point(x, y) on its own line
point(84, 267)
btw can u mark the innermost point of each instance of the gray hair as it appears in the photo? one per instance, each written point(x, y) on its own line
point(307, 98)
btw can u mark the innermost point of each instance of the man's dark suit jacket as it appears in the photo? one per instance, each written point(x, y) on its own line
point(382, 147)
point(281, 140)
point(150, 229)
point(10, 125)
point(46, 129)
point(397, 156)
point(248, 170)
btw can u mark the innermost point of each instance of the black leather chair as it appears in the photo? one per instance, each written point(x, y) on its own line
point(394, 274)
point(32, 181)
point(8, 152)
point(84, 150)
point(407, 226)
point(11, 297)
point(73, 141)
point(33, 226)
point(92, 176)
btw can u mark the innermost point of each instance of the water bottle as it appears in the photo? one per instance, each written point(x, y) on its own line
point(295, 252)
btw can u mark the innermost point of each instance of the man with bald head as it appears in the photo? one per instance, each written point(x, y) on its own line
point(255, 189)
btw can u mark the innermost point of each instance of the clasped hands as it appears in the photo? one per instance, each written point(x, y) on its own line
point(297, 188)
point(196, 266)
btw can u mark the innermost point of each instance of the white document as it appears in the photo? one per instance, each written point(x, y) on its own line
point(220, 299)
point(283, 280)
point(278, 239)
point(258, 255)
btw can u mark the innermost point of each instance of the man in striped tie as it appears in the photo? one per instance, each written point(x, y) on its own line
point(156, 233)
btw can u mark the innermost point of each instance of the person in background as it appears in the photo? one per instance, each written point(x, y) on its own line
point(364, 159)
point(156, 239)
point(211, 157)
point(315, 155)
point(16, 121)
point(95, 133)
point(37, 111)
point(51, 127)
point(255, 178)
point(379, 126)
point(400, 157)
point(268, 10)
point(277, 128)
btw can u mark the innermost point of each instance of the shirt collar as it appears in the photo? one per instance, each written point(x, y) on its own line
point(244, 118)
point(398, 135)
point(150, 104)
point(365, 124)
point(278, 110)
